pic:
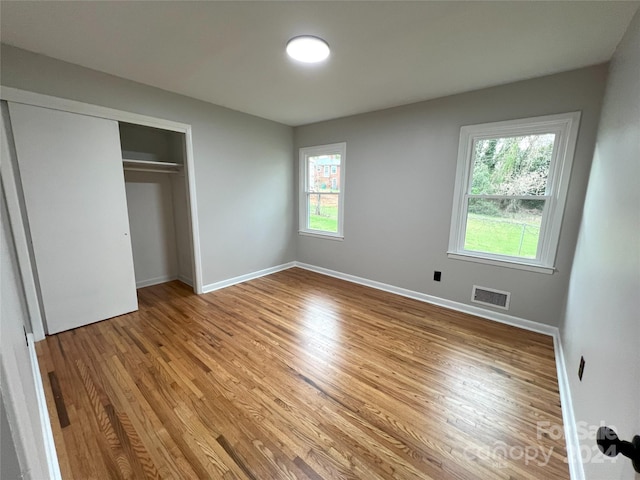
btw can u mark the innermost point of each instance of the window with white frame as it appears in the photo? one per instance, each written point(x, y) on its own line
point(511, 186)
point(322, 198)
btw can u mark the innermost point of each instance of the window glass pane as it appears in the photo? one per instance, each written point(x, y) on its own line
point(323, 212)
point(512, 165)
point(504, 226)
point(324, 173)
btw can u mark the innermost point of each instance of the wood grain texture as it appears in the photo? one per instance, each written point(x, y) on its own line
point(301, 376)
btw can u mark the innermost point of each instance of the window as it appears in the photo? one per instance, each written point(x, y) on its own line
point(334, 169)
point(321, 201)
point(511, 186)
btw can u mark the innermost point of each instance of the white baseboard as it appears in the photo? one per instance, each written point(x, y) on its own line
point(244, 278)
point(442, 302)
point(47, 434)
point(163, 279)
point(574, 454)
point(155, 281)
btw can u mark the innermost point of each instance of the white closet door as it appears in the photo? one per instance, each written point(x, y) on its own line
point(73, 182)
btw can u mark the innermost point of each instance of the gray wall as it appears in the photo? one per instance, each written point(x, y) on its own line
point(400, 171)
point(155, 144)
point(244, 179)
point(602, 319)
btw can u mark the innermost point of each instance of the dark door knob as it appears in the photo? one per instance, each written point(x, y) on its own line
point(611, 445)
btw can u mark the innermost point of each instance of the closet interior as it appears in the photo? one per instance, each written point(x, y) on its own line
point(157, 202)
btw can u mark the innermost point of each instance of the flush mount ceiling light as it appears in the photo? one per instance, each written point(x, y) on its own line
point(307, 49)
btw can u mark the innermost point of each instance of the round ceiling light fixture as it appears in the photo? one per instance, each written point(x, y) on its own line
point(308, 49)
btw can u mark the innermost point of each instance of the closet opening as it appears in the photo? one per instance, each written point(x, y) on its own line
point(157, 203)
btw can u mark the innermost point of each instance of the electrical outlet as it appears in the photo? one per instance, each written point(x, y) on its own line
point(581, 368)
point(437, 276)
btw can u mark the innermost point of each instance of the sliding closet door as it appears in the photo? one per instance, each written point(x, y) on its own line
point(73, 182)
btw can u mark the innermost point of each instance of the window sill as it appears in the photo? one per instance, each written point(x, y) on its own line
point(328, 236)
point(468, 257)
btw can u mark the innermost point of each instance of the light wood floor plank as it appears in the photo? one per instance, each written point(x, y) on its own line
point(301, 376)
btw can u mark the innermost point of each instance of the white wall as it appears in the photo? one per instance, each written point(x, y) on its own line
point(158, 207)
point(244, 179)
point(9, 464)
point(17, 385)
point(152, 226)
point(400, 172)
point(184, 245)
point(602, 320)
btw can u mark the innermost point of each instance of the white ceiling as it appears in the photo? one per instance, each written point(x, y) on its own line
point(384, 54)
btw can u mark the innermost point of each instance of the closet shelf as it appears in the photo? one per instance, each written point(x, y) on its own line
point(151, 166)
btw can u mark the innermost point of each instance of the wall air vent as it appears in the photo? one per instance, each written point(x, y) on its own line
point(491, 297)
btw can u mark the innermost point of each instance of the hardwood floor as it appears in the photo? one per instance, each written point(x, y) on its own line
point(298, 375)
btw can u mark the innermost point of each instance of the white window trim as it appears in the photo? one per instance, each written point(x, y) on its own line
point(305, 152)
point(565, 126)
